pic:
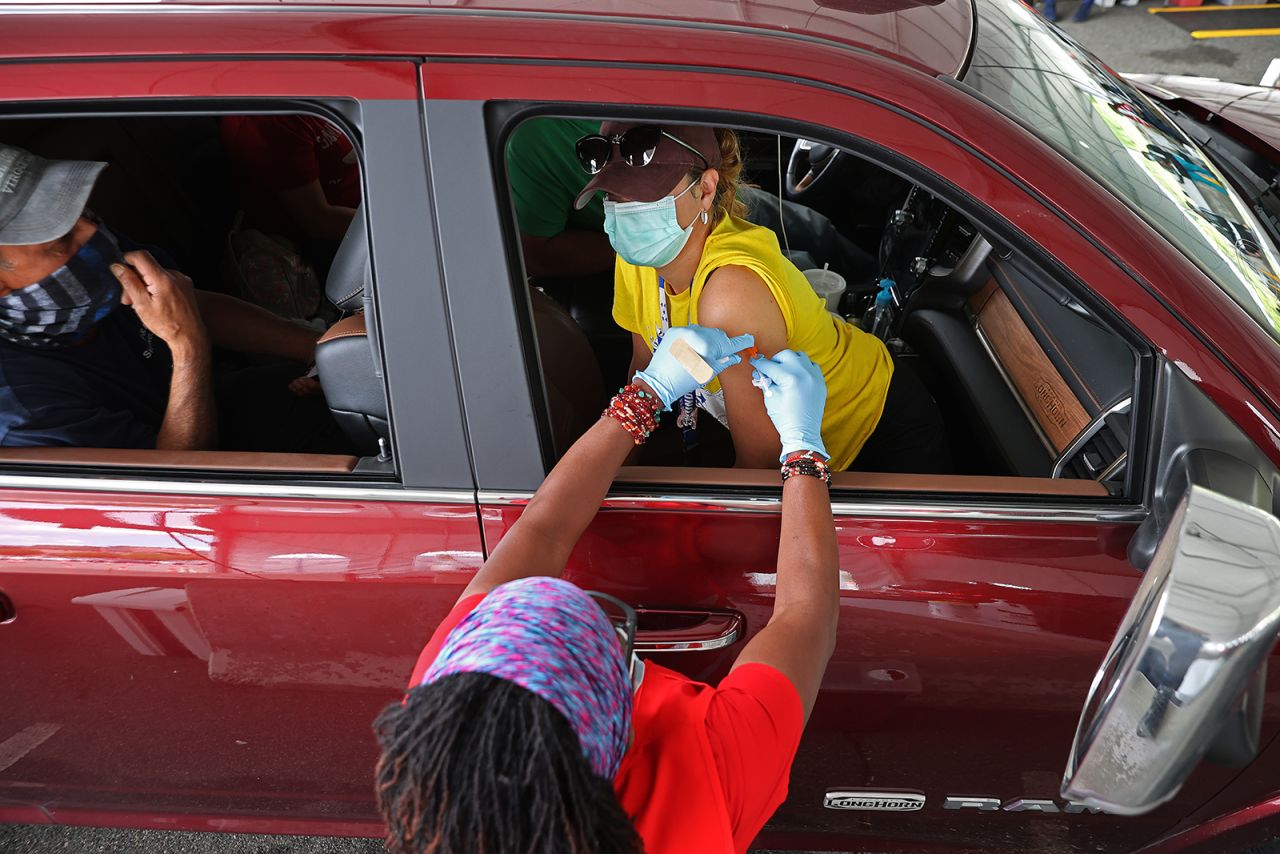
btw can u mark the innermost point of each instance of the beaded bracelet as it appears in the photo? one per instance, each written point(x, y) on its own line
point(807, 463)
point(636, 410)
point(805, 455)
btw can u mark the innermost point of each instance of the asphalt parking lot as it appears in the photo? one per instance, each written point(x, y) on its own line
point(92, 840)
point(1130, 38)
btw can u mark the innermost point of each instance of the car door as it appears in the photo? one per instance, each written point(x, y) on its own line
point(204, 643)
point(973, 616)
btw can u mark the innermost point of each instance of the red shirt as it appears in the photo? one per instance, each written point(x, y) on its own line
point(278, 153)
point(708, 765)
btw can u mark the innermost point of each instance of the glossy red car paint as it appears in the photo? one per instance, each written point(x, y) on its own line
point(1237, 831)
point(229, 653)
point(966, 644)
point(932, 35)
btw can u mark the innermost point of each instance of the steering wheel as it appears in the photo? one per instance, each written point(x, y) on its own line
point(810, 163)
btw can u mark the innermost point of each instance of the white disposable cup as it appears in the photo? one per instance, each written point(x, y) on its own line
point(827, 284)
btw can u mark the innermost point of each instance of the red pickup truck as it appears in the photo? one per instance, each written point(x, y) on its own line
point(201, 640)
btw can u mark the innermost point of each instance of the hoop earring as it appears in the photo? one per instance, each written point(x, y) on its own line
point(704, 217)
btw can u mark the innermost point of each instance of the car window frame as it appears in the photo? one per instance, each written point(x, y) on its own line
point(503, 117)
point(415, 470)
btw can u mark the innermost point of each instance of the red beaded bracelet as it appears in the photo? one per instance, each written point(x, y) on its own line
point(808, 463)
point(636, 410)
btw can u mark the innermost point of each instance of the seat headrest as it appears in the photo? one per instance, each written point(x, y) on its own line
point(349, 273)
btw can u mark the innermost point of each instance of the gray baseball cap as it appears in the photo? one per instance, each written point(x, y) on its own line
point(40, 200)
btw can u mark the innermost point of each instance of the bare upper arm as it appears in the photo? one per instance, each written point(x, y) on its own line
point(738, 301)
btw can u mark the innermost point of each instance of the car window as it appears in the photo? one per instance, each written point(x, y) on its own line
point(262, 215)
point(1002, 379)
point(1129, 145)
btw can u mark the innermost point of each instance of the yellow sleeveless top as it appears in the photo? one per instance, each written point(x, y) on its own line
point(856, 365)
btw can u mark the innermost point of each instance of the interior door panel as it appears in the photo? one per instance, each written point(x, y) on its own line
point(1021, 340)
point(1052, 405)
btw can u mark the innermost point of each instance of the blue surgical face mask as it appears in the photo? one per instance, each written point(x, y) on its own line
point(646, 234)
point(60, 309)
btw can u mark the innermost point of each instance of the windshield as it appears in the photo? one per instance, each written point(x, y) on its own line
point(1125, 142)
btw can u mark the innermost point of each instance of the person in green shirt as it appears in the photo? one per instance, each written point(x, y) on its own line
point(558, 240)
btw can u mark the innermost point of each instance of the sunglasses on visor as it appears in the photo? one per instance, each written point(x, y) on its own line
point(636, 145)
point(623, 619)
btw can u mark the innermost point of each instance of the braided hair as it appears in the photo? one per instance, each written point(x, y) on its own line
point(474, 763)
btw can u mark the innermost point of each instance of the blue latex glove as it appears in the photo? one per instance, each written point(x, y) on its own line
point(668, 378)
point(795, 395)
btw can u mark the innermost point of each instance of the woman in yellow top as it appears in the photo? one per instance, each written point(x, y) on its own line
point(687, 255)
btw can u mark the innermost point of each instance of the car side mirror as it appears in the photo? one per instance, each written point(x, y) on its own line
point(1196, 633)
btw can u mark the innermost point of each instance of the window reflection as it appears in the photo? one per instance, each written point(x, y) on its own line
point(1126, 143)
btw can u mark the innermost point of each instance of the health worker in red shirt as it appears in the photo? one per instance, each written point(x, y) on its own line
point(530, 726)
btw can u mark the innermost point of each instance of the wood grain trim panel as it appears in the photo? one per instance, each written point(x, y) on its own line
point(1043, 390)
point(1071, 487)
point(978, 300)
point(212, 460)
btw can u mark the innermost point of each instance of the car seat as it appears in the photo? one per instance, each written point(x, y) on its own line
point(352, 382)
point(344, 354)
point(570, 371)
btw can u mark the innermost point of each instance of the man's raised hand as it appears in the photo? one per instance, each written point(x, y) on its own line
point(165, 303)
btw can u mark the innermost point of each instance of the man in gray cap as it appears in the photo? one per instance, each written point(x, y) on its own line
point(77, 368)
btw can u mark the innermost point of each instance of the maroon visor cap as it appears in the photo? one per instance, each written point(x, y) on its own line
point(671, 162)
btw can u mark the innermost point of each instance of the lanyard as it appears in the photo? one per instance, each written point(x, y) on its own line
point(662, 305)
point(687, 419)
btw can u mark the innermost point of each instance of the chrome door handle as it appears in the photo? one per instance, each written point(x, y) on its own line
point(677, 630)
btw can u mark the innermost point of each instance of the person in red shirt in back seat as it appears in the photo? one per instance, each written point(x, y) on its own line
point(530, 726)
point(300, 175)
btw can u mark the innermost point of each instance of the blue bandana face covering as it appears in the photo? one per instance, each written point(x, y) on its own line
point(60, 309)
point(646, 234)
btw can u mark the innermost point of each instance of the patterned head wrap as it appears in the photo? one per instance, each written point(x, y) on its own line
point(549, 637)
